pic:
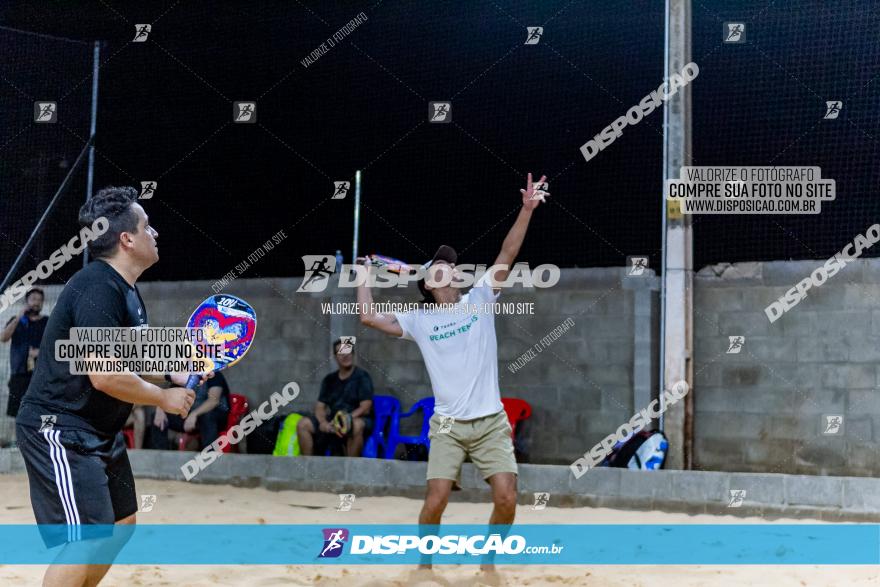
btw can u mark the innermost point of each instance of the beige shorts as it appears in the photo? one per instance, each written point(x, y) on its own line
point(485, 440)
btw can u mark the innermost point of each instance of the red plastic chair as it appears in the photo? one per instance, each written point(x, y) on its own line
point(238, 407)
point(517, 411)
point(129, 437)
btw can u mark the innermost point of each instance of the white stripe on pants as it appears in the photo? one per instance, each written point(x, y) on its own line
point(64, 483)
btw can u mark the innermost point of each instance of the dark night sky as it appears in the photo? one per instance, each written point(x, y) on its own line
point(166, 114)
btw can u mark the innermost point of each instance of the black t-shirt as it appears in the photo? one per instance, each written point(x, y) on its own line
point(96, 296)
point(345, 395)
point(202, 392)
point(28, 333)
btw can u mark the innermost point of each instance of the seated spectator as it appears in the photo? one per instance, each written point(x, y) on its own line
point(348, 391)
point(207, 417)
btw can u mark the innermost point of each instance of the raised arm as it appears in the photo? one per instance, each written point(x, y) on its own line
point(386, 323)
point(10, 327)
point(531, 197)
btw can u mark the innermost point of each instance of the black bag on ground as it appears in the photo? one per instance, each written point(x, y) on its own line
point(262, 440)
point(645, 450)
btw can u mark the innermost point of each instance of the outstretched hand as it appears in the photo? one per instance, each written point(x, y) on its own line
point(535, 192)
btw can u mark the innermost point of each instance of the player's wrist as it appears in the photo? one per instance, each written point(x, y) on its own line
point(160, 396)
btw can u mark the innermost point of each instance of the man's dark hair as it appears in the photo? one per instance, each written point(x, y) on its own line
point(35, 290)
point(114, 204)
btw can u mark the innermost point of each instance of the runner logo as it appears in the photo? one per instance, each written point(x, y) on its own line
point(439, 111)
point(637, 265)
point(318, 268)
point(734, 32)
point(736, 344)
point(48, 423)
point(832, 109)
point(446, 423)
point(141, 32)
point(244, 112)
point(346, 500)
point(334, 540)
point(541, 191)
point(541, 501)
point(340, 190)
point(833, 424)
point(147, 503)
point(148, 189)
point(736, 498)
point(46, 112)
point(346, 346)
point(533, 34)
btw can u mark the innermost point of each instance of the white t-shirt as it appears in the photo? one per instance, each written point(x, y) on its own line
point(460, 352)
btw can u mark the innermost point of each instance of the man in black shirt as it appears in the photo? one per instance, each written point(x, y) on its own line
point(207, 417)
point(25, 331)
point(348, 390)
point(68, 426)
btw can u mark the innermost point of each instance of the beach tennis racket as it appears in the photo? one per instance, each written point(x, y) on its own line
point(226, 320)
point(392, 264)
point(342, 422)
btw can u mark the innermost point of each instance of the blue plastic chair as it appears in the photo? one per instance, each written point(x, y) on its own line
point(426, 405)
point(386, 410)
point(387, 416)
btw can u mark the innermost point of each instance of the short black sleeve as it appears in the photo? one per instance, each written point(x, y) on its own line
point(218, 380)
point(365, 387)
point(101, 305)
point(323, 396)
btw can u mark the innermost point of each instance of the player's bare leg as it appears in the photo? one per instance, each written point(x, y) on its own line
point(355, 443)
point(436, 499)
point(62, 575)
point(504, 511)
point(305, 435)
point(503, 497)
point(66, 575)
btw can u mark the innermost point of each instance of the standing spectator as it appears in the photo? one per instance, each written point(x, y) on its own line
point(349, 391)
point(207, 417)
point(26, 332)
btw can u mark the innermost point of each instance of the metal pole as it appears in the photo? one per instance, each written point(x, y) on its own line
point(357, 216)
point(27, 246)
point(90, 174)
point(676, 296)
point(663, 211)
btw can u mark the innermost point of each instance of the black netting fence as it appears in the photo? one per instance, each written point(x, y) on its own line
point(166, 115)
point(35, 157)
point(763, 102)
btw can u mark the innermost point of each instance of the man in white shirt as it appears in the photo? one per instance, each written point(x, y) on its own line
point(461, 355)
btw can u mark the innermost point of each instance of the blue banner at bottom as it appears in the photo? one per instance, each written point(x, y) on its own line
point(387, 544)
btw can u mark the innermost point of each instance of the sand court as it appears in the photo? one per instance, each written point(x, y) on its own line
point(181, 503)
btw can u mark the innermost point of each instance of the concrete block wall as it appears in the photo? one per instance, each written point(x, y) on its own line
point(762, 409)
point(767, 495)
point(580, 386)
